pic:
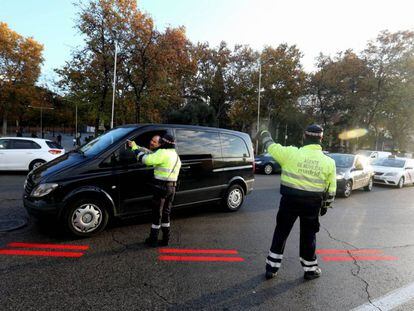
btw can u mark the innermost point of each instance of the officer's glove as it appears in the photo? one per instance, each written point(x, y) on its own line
point(266, 139)
point(324, 208)
point(133, 145)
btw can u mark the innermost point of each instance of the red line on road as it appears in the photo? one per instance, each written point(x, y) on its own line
point(56, 246)
point(200, 258)
point(197, 251)
point(344, 251)
point(39, 253)
point(361, 258)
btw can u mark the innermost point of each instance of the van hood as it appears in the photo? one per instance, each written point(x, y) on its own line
point(57, 166)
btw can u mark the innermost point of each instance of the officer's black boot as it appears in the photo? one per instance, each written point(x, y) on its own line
point(152, 240)
point(165, 236)
point(270, 275)
point(310, 275)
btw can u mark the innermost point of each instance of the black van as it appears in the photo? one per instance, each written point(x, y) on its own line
point(102, 179)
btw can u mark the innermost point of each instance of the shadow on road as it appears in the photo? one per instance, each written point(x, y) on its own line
point(236, 295)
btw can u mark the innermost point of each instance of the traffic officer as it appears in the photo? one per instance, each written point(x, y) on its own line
point(308, 187)
point(167, 166)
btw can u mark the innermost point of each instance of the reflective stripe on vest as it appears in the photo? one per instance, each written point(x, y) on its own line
point(166, 164)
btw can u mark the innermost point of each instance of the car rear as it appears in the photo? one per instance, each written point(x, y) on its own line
point(53, 149)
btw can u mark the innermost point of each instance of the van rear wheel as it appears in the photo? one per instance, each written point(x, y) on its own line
point(86, 217)
point(234, 198)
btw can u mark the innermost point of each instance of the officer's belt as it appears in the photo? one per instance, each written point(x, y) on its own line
point(166, 183)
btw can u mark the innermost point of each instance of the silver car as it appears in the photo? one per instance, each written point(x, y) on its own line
point(352, 172)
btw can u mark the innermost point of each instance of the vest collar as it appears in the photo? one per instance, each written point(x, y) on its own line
point(313, 147)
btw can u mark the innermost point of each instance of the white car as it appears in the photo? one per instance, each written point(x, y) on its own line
point(394, 171)
point(373, 155)
point(25, 153)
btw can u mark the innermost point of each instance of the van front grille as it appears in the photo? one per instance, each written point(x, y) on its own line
point(29, 186)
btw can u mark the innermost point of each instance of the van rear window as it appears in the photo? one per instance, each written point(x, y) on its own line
point(233, 146)
point(198, 143)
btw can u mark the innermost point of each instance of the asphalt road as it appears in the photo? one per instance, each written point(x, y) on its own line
point(117, 272)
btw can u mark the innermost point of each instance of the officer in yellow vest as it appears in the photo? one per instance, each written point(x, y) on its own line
point(308, 187)
point(167, 164)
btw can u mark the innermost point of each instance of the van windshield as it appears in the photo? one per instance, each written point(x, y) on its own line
point(102, 142)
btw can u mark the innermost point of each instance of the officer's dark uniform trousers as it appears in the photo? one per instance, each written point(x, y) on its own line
point(290, 208)
point(164, 192)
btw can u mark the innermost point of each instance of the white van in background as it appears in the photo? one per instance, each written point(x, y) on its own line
point(373, 154)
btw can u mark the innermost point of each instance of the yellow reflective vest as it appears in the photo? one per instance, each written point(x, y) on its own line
point(166, 164)
point(306, 171)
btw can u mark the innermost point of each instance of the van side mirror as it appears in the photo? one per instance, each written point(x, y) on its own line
point(127, 157)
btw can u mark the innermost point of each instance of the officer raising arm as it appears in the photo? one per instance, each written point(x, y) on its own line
point(308, 187)
point(167, 164)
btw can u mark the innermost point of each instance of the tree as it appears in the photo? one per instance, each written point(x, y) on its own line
point(151, 65)
point(390, 57)
point(242, 76)
point(195, 113)
point(20, 60)
point(341, 92)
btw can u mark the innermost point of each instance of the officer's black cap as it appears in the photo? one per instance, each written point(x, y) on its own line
point(314, 130)
point(168, 139)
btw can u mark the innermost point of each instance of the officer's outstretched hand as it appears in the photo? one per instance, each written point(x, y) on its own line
point(265, 138)
point(264, 134)
point(132, 144)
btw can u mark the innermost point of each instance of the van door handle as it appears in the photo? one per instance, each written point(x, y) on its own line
point(186, 167)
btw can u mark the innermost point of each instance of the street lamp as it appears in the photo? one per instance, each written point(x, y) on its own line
point(41, 116)
point(113, 87)
point(258, 98)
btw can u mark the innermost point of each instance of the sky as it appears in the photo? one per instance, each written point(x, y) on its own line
point(314, 26)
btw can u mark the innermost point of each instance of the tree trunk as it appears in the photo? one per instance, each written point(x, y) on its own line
point(5, 123)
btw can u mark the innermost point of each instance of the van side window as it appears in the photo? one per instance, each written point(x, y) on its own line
point(233, 146)
point(198, 143)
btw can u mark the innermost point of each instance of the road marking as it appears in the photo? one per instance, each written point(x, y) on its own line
point(389, 301)
point(55, 246)
point(39, 253)
point(360, 258)
point(345, 251)
point(198, 251)
point(200, 258)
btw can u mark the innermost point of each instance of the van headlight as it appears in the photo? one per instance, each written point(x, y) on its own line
point(340, 176)
point(43, 189)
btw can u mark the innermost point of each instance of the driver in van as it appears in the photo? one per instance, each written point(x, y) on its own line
point(154, 144)
point(167, 164)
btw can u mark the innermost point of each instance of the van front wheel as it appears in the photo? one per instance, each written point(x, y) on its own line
point(233, 198)
point(86, 217)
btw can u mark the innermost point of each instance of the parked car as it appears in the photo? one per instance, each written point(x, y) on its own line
point(264, 163)
point(394, 171)
point(373, 154)
point(24, 153)
point(102, 179)
point(352, 172)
